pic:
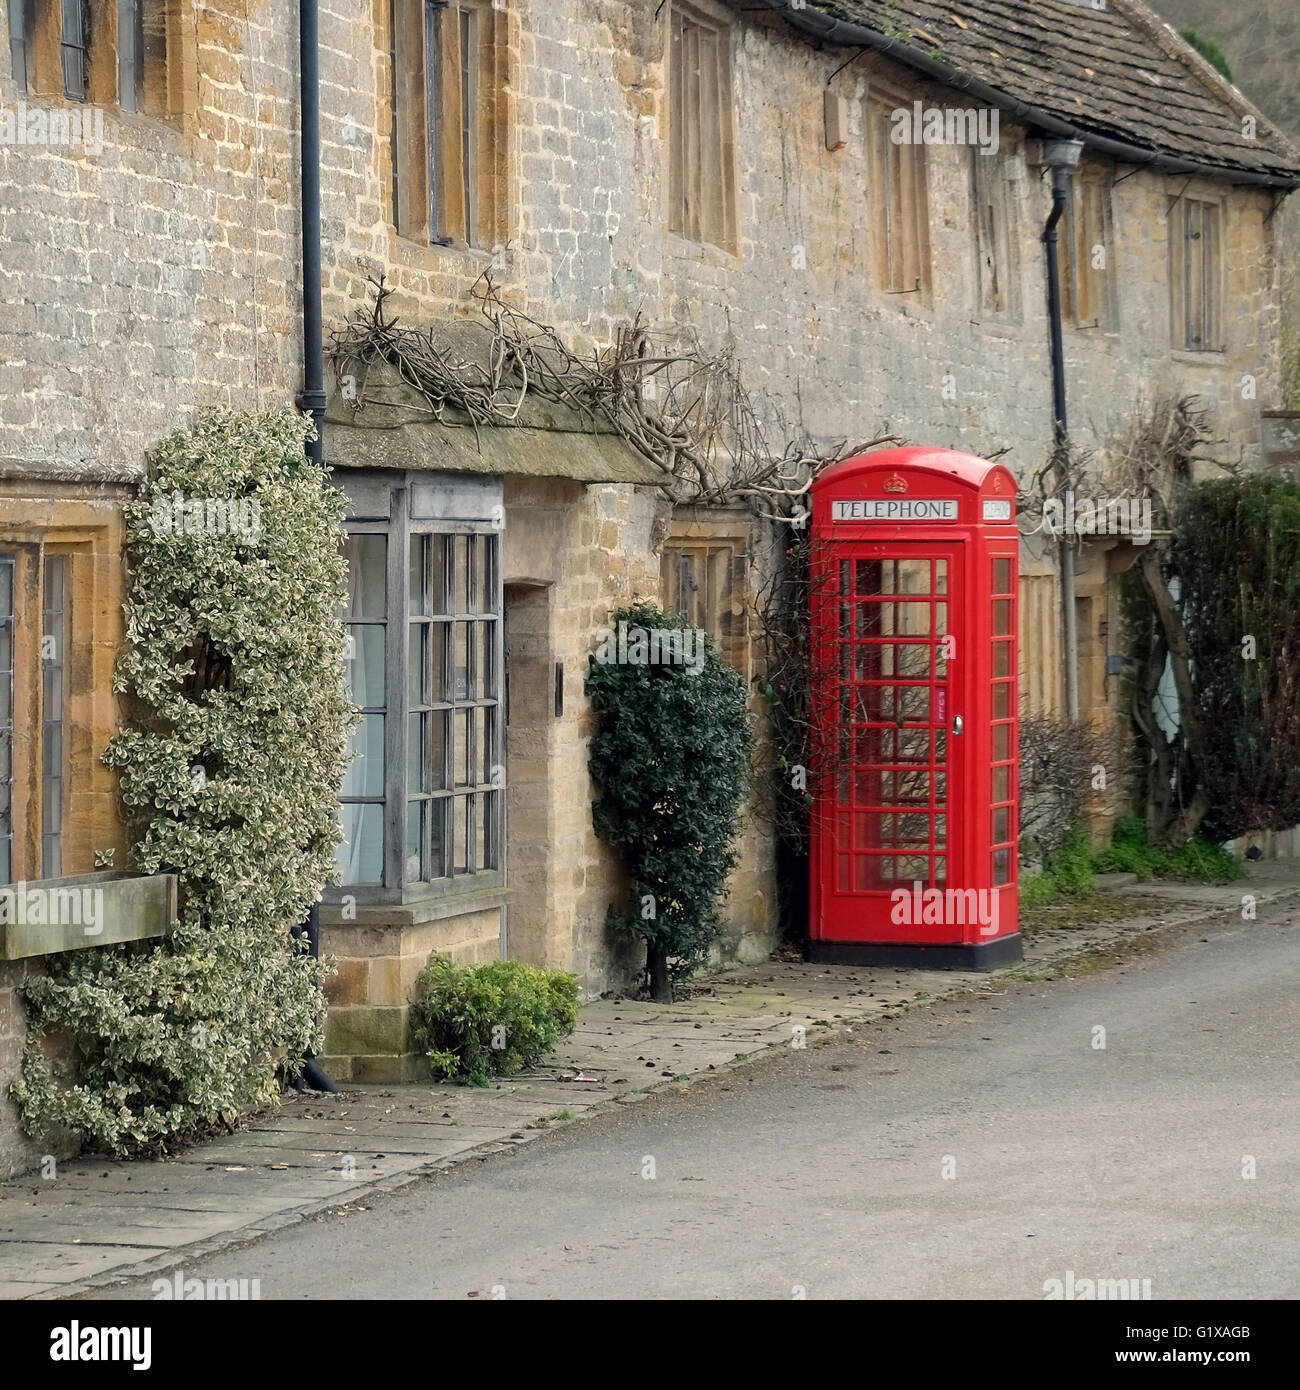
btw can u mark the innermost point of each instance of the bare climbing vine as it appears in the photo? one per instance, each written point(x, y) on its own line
point(685, 409)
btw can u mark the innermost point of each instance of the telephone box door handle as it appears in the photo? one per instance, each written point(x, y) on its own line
point(956, 724)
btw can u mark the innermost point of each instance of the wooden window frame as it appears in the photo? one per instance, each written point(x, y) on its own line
point(74, 49)
point(29, 775)
point(25, 740)
point(449, 68)
point(716, 549)
point(997, 286)
point(438, 631)
point(898, 199)
point(702, 175)
point(400, 529)
point(20, 38)
point(163, 69)
point(1196, 275)
point(468, 59)
point(131, 56)
point(354, 623)
point(56, 634)
point(1087, 298)
point(9, 570)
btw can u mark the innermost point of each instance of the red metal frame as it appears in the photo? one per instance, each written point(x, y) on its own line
point(914, 619)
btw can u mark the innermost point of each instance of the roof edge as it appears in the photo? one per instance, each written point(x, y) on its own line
point(1176, 47)
point(841, 31)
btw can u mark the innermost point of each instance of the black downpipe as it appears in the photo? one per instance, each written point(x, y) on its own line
point(1060, 185)
point(312, 1077)
point(1060, 431)
point(311, 399)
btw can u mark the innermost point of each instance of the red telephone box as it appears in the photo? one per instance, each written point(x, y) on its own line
point(914, 780)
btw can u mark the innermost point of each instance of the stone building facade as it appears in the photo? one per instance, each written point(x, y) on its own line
point(726, 172)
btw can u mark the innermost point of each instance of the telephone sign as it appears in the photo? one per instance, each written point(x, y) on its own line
point(894, 509)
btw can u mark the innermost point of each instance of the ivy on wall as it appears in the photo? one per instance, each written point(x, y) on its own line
point(230, 775)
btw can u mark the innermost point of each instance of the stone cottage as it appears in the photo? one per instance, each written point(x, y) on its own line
point(848, 197)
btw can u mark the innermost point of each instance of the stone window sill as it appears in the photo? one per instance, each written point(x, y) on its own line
point(1211, 357)
point(433, 908)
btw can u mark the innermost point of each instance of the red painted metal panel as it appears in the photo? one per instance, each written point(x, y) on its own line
point(914, 618)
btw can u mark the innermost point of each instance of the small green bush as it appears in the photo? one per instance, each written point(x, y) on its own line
point(1209, 50)
point(1066, 873)
point(1199, 860)
point(474, 1021)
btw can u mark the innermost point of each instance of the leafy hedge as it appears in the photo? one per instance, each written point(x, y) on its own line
point(473, 1021)
point(1236, 555)
point(230, 778)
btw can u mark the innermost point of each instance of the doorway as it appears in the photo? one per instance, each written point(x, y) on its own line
point(529, 698)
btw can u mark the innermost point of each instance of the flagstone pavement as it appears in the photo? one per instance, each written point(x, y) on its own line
point(97, 1221)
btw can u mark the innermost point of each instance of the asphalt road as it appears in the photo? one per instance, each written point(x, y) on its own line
point(972, 1150)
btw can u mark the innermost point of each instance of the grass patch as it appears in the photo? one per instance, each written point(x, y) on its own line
point(1198, 861)
point(1067, 873)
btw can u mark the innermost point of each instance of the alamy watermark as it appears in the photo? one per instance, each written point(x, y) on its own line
point(207, 516)
point(652, 646)
point(77, 1343)
point(917, 906)
point(1098, 516)
point(79, 126)
point(22, 905)
point(1071, 1289)
point(176, 1287)
point(919, 124)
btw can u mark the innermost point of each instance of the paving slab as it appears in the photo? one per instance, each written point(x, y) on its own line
point(69, 1263)
point(23, 1288)
point(331, 1141)
point(162, 1203)
point(101, 1220)
point(128, 1234)
point(61, 1217)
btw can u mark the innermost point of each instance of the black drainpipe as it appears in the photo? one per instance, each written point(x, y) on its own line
point(1060, 429)
point(1060, 187)
point(311, 399)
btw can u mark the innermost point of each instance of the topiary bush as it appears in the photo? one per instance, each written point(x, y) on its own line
point(671, 758)
point(229, 777)
point(476, 1021)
